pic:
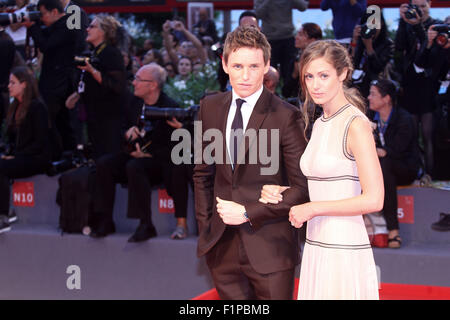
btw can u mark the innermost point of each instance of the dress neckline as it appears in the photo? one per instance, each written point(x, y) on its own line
point(323, 118)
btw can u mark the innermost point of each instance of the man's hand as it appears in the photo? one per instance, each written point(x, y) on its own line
point(230, 212)
point(139, 154)
point(7, 157)
point(133, 133)
point(381, 152)
point(174, 123)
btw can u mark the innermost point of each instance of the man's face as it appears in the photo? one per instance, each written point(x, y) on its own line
point(301, 39)
point(424, 6)
point(48, 17)
point(246, 69)
point(143, 83)
point(249, 21)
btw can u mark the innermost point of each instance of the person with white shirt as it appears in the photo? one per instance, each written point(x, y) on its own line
point(250, 247)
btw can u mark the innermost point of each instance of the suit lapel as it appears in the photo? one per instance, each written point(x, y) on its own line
point(222, 125)
point(257, 117)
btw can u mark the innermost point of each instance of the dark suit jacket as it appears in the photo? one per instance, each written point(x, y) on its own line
point(270, 241)
point(58, 44)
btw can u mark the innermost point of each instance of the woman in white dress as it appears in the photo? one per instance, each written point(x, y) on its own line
point(344, 180)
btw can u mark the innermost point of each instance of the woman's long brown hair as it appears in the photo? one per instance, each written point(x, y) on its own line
point(338, 57)
point(31, 92)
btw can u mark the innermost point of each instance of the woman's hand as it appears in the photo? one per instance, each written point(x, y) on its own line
point(7, 157)
point(272, 194)
point(300, 214)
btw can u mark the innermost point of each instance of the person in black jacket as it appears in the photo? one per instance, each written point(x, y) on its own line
point(397, 149)
point(371, 52)
point(57, 43)
point(142, 167)
point(418, 83)
point(7, 52)
point(103, 85)
point(27, 135)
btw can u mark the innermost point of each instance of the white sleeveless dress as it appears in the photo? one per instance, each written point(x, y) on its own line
point(337, 259)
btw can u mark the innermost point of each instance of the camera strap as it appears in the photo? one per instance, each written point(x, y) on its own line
point(81, 83)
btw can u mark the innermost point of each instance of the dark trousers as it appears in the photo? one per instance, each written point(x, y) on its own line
point(61, 117)
point(236, 279)
point(19, 167)
point(178, 189)
point(140, 175)
point(283, 54)
point(395, 173)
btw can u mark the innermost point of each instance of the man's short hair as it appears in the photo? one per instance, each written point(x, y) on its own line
point(247, 13)
point(51, 4)
point(246, 37)
point(159, 74)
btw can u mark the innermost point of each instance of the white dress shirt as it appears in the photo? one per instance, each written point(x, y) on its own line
point(246, 110)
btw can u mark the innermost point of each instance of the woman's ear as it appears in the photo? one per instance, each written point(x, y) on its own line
point(343, 75)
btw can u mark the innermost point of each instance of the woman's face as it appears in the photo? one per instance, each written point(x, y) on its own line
point(376, 100)
point(184, 67)
point(95, 34)
point(322, 81)
point(16, 88)
point(148, 57)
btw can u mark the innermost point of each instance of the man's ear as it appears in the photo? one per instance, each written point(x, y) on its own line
point(267, 66)
point(224, 66)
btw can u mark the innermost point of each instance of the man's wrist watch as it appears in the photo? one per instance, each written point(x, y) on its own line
point(246, 215)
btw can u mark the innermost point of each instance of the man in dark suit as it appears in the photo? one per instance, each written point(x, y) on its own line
point(58, 44)
point(250, 247)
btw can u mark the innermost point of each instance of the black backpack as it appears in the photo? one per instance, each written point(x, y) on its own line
point(75, 198)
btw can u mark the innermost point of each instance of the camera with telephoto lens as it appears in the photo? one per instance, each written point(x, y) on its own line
point(367, 32)
point(31, 14)
point(411, 12)
point(152, 113)
point(181, 114)
point(443, 31)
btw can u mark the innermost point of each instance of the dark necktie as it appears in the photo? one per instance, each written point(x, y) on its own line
point(235, 125)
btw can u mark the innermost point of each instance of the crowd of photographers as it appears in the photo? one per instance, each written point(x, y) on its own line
point(84, 82)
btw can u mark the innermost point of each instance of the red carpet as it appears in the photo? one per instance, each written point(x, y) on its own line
point(388, 291)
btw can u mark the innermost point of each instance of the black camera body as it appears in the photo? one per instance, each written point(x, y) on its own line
point(411, 12)
point(81, 60)
point(443, 31)
point(217, 48)
point(367, 32)
point(72, 159)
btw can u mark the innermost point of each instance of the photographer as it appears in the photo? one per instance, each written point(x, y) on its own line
point(418, 83)
point(397, 149)
point(27, 135)
point(142, 167)
point(58, 44)
point(191, 47)
point(371, 52)
point(7, 52)
point(103, 84)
